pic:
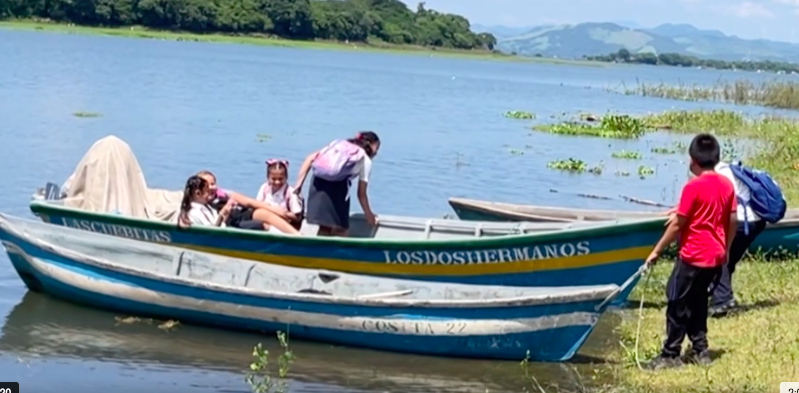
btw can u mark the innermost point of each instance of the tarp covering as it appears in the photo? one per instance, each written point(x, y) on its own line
point(109, 179)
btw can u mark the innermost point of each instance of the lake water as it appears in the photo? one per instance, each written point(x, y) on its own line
point(186, 106)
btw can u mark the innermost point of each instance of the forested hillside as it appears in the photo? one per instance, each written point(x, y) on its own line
point(354, 20)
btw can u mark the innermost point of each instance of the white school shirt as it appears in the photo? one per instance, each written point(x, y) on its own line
point(363, 169)
point(744, 212)
point(202, 214)
point(279, 198)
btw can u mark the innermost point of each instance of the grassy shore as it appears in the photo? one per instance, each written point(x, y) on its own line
point(755, 348)
point(780, 94)
point(261, 40)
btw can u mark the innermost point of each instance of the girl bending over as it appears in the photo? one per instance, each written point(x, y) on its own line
point(335, 166)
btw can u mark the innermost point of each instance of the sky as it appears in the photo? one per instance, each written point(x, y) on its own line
point(770, 19)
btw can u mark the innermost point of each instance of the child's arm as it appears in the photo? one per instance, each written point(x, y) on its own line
point(684, 210)
point(304, 168)
point(260, 196)
point(732, 225)
point(254, 204)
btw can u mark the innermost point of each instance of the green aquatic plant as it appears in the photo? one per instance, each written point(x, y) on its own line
point(86, 114)
point(775, 93)
point(721, 121)
point(259, 378)
point(662, 150)
point(575, 166)
point(644, 171)
point(519, 115)
point(627, 155)
point(611, 126)
point(570, 165)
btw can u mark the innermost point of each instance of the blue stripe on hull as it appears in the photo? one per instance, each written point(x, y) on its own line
point(611, 273)
point(546, 345)
point(281, 304)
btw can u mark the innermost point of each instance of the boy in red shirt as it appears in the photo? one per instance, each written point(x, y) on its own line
point(705, 222)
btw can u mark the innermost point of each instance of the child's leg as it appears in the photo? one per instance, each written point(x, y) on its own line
point(698, 308)
point(678, 292)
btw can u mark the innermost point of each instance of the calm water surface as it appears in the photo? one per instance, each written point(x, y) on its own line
point(187, 106)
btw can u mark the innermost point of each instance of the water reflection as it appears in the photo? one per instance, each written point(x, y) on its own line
point(45, 328)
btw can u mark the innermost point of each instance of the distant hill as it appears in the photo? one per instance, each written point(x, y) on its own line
point(593, 39)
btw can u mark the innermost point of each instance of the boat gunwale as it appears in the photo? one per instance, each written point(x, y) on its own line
point(565, 214)
point(576, 295)
point(555, 235)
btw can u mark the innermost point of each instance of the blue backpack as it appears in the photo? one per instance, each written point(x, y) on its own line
point(766, 199)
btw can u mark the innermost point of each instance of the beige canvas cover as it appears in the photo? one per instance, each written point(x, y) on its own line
point(108, 178)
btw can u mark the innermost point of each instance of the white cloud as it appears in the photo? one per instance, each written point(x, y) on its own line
point(748, 9)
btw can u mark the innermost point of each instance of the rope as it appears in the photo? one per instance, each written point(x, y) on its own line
point(641, 318)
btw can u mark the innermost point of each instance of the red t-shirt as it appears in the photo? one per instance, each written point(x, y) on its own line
point(706, 203)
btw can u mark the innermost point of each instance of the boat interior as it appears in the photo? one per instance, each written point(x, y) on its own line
point(109, 180)
point(391, 227)
point(113, 253)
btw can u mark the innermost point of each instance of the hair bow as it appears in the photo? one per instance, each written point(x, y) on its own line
point(275, 161)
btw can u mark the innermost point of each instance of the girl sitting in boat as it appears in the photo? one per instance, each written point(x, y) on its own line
point(276, 192)
point(335, 166)
point(246, 213)
point(195, 209)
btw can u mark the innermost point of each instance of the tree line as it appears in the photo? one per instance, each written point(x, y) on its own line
point(678, 60)
point(344, 20)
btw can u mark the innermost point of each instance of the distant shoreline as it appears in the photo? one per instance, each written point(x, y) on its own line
point(143, 32)
point(623, 56)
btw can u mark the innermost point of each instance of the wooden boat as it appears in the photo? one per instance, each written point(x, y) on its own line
point(776, 237)
point(48, 329)
point(144, 278)
point(95, 199)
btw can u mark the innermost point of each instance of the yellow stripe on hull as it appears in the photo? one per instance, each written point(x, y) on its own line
point(573, 262)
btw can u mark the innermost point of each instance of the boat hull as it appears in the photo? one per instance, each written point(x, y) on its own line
point(595, 256)
point(547, 332)
point(776, 238)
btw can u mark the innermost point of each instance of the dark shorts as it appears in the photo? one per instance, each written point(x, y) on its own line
point(328, 204)
point(241, 217)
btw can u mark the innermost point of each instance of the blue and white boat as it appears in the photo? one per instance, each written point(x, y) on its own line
point(168, 282)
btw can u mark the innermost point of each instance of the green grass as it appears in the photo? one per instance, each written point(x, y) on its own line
point(775, 94)
point(759, 347)
point(262, 40)
point(755, 348)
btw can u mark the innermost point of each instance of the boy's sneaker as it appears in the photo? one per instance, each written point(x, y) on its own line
point(723, 309)
point(664, 362)
point(701, 358)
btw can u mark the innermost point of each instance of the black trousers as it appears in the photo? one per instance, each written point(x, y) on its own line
point(721, 292)
point(686, 313)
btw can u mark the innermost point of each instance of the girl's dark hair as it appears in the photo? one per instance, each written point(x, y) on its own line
point(193, 184)
point(365, 139)
point(277, 164)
